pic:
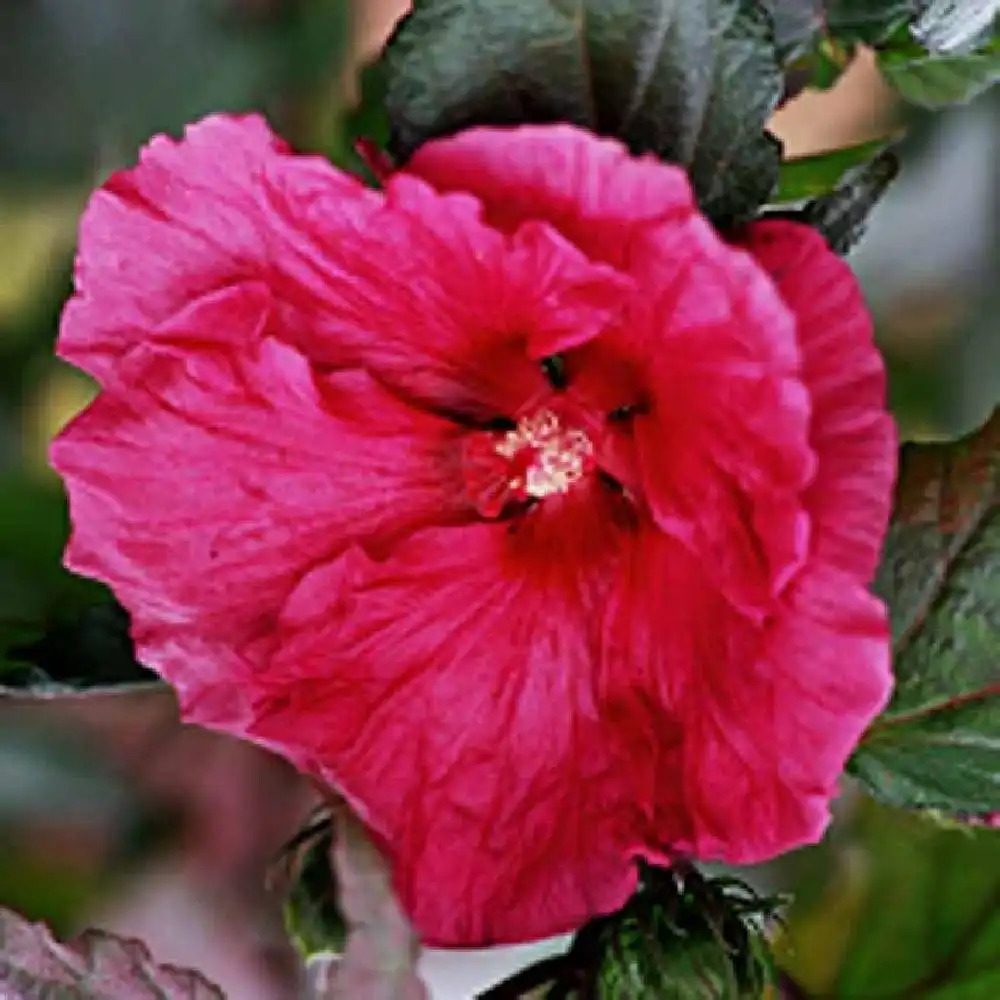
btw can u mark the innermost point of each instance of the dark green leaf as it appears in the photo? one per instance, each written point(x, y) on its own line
point(33, 528)
point(96, 966)
point(811, 56)
point(867, 21)
point(693, 83)
point(813, 176)
point(367, 123)
point(954, 25)
point(369, 119)
point(934, 52)
point(58, 632)
point(935, 80)
point(828, 62)
point(912, 913)
point(842, 215)
point(938, 743)
point(89, 652)
point(796, 24)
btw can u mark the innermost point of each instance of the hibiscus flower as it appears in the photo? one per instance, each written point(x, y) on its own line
point(512, 500)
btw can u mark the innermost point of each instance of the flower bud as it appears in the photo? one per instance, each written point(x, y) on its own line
point(304, 877)
point(686, 937)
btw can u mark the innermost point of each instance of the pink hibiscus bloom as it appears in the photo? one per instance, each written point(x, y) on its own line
point(511, 501)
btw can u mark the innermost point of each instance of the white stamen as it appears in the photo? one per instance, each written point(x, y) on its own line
point(560, 457)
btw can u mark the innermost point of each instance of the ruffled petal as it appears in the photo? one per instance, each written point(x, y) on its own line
point(739, 724)
point(410, 283)
point(736, 734)
point(591, 189)
point(855, 438)
point(730, 491)
point(195, 220)
point(452, 313)
point(205, 490)
point(571, 299)
point(768, 742)
point(450, 698)
point(722, 435)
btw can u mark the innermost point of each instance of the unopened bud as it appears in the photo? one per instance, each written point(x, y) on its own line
point(304, 878)
point(685, 937)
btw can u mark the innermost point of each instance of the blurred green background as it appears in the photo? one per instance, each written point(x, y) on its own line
point(110, 812)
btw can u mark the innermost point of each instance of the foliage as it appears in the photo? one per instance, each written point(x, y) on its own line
point(813, 176)
point(909, 911)
point(90, 651)
point(343, 915)
point(937, 79)
point(680, 937)
point(934, 52)
point(841, 214)
point(938, 744)
point(693, 83)
point(303, 878)
point(93, 967)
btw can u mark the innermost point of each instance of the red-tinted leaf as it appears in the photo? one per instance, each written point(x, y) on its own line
point(938, 743)
point(96, 966)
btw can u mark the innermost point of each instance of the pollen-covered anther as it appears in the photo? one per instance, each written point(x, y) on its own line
point(545, 457)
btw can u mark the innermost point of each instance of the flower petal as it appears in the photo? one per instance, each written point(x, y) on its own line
point(854, 436)
point(205, 490)
point(590, 189)
point(412, 283)
point(770, 742)
point(736, 733)
point(723, 436)
point(568, 300)
point(450, 698)
point(191, 220)
point(451, 312)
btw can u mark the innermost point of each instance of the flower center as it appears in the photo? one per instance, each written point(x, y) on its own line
point(542, 456)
